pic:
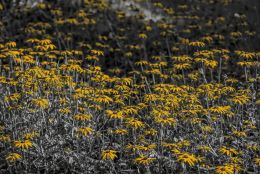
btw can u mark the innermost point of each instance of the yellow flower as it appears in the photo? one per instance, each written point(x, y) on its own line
point(115, 70)
point(86, 131)
point(10, 44)
point(246, 55)
point(150, 132)
point(65, 110)
point(165, 121)
point(240, 99)
point(12, 97)
point(241, 134)
point(114, 114)
point(204, 148)
point(97, 52)
point(13, 157)
point(220, 109)
point(135, 123)
point(75, 67)
point(142, 36)
point(150, 97)
point(82, 117)
point(184, 143)
point(141, 63)
point(207, 38)
point(26, 144)
point(236, 167)
point(257, 161)
point(144, 160)
point(121, 131)
point(182, 66)
point(206, 129)
point(92, 58)
point(148, 28)
point(1, 7)
point(41, 5)
point(125, 81)
point(31, 135)
point(129, 54)
point(109, 154)
point(171, 146)
point(63, 101)
point(40, 102)
point(182, 58)
point(185, 157)
point(211, 64)
point(130, 110)
point(32, 40)
point(103, 99)
point(12, 53)
point(5, 138)
point(228, 151)
point(236, 34)
point(235, 160)
point(224, 170)
point(253, 147)
point(45, 42)
point(197, 44)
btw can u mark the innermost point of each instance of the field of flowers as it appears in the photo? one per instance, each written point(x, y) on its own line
point(90, 87)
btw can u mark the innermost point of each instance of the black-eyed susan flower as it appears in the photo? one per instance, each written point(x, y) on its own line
point(197, 44)
point(150, 132)
point(204, 148)
point(66, 110)
point(224, 170)
point(121, 131)
point(187, 158)
point(165, 121)
point(31, 135)
point(26, 144)
point(82, 117)
point(109, 154)
point(5, 138)
point(97, 52)
point(257, 161)
point(142, 36)
point(228, 151)
point(240, 99)
point(41, 102)
point(12, 157)
point(144, 160)
point(114, 115)
point(134, 123)
point(86, 131)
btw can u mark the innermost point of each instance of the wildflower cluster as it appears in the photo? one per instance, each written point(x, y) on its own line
point(96, 89)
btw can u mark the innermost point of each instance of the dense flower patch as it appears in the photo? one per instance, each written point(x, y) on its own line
point(88, 89)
